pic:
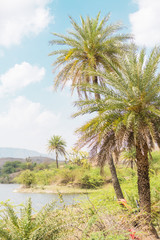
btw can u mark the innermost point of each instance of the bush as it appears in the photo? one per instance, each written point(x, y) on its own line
point(27, 178)
point(47, 224)
point(45, 177)
point(66, 176)
point(92, 179)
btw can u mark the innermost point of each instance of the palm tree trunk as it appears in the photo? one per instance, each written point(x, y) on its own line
point(115, 180)
point(132, 164)
point(102, 170)
point(57, 159)
point(143, 179)
point(144, 187)
point(95, 81)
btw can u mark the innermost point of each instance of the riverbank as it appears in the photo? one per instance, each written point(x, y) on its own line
point(54, 189)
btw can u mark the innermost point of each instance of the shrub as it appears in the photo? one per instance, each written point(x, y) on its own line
point(47, 224)
point(27, 178)
point(92, 180)
point(45, 177)
point(66, 176)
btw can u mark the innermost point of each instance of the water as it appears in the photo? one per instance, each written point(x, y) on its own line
point(38, 199)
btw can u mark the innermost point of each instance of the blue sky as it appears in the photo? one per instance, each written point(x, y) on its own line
point(30, 111)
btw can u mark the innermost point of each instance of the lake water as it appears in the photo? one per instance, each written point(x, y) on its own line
point(38, 199)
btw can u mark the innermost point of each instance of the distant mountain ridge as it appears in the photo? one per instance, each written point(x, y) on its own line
point(19, 153)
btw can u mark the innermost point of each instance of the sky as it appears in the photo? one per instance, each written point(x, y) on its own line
point(30, 111)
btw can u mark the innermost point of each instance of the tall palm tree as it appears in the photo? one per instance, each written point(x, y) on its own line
point(57, 144)
point(130, 106)
point(88, 46)
point(91, 45)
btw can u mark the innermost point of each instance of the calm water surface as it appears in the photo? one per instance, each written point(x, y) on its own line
point(38, 199)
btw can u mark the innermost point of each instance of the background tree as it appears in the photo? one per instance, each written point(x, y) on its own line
point(57, 144)
point(130, 106)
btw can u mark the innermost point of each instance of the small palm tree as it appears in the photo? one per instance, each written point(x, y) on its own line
point(88, 46)
point(57, 144)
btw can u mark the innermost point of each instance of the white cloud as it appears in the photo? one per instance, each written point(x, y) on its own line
point(27, 125)
point(145, 23)
point(20, 76)
point(20, 18)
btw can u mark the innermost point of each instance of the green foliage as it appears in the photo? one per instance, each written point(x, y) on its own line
point(92, 179)
point(11, 167)
point(116, 237)
point(46, 224)
point(66, 176)
point(41, 166)
point(45, 177)
point(79, 158)
point(97, 236)
point(27, 178)
point(29, 164)
point(154, 162)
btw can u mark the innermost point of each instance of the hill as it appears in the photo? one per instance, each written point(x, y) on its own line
point(19, 153)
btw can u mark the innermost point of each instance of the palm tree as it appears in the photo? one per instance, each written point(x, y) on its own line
point(88, 46)
point(91, 45)
point(57, 144)
point(130, 106)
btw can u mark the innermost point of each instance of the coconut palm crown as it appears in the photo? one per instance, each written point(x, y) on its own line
point(129, 111)
point(87, 46)
point(57, 144)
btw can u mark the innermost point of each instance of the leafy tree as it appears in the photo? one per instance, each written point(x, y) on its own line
point(130, 107)
point(87, 46)
point(11, 167)
point(57, 144)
